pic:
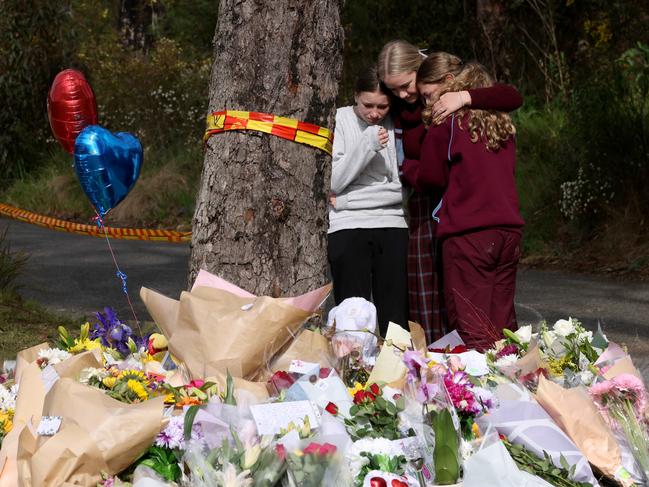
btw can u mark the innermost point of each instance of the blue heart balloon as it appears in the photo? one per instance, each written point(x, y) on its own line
point(107, 165)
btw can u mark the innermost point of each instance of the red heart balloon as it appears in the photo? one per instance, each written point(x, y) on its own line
point(71, 106)
point(399, 483)
point(378, 482)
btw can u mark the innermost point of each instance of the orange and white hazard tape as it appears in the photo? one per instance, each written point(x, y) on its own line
point(286, 128)
point(94, 230)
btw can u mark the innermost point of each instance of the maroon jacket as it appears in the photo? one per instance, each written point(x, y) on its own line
point(480, 184)
point(410, 128)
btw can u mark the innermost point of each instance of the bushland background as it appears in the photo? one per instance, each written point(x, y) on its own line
point(583, 132)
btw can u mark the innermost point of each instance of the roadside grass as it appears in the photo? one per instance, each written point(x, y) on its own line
point(26, 323)
point(163, 197)
point(22, 323)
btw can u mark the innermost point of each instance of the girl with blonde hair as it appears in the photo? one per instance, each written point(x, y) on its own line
point(471, 158)
point(397, 66)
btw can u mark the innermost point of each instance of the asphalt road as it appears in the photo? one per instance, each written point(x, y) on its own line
point(76, 273)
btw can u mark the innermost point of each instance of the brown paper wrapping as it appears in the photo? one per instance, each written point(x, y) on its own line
point(212, 330)
point(29, 404)
point(258, 389)
point(28, 356)
point(530, 362)
point(418, 336)
point(72, 367)
point(576, 414)
point(98, 434)
point(30, 400)
point(623, 366)
point(308, 346)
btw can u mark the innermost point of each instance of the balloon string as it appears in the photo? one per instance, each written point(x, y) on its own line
point(120, 274)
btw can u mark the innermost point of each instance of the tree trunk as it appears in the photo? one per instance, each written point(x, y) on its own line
point(261, 211)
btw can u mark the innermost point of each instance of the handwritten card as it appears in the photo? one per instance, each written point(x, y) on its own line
point(300, 367)
point(271, 418)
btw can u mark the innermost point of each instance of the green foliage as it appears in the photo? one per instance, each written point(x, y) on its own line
point(370, 23)
point(11, 265)
point(33, 44)
point(445, 454)
point(164, 461)
point(191, 24)
point(541, 168)
point(375, 418)
point(544, 467)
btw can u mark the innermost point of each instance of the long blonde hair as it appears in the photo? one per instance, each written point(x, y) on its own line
point(491, 126)
point(398, 57)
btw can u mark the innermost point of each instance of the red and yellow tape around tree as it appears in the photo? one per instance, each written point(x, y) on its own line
point(217, 122)
point(286, 128)
point(94, 230)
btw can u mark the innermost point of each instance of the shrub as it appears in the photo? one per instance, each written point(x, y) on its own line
point(11, 265)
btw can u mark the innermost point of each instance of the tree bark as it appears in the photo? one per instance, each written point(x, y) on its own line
point(260, 218)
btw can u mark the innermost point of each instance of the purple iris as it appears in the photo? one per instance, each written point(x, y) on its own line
point(113, 333)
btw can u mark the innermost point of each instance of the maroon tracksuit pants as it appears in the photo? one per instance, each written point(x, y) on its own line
point(480, 282)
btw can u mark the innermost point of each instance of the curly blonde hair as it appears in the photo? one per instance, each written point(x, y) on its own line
point(494, 128)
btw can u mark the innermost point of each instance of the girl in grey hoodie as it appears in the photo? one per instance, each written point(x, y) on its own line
point(368, 232)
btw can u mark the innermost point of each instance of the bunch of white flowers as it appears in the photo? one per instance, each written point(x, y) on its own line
point(374, 446)
point(51, 356)
point(8, 397)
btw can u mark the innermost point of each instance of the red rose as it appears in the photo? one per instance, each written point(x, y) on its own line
point(396, 396)
point(374, 388)
point(281, 451)
point(312, 449)
point(359, 397)
point(324, 372)
point(370, 397)
point(327, 449)
point(282, 380)
point(332, 409)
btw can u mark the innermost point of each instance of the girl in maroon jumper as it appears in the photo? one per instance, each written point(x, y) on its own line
point(398, 64)
point(472, 155)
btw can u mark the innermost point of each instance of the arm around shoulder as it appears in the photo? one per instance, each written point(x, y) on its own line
point(504, 98)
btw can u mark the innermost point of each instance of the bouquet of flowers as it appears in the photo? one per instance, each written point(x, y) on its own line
point(371, 454)
point(7, 408)
point(622, 401)
point(307, 467)
point(374, 416)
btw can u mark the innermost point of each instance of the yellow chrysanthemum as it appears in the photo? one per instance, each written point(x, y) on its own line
point(129, 374)
point(7, 426)
point(83, 345)
point(357, 387)
point(170, 399)
point(475, 429)
point(109, 382)
point(138, 389)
